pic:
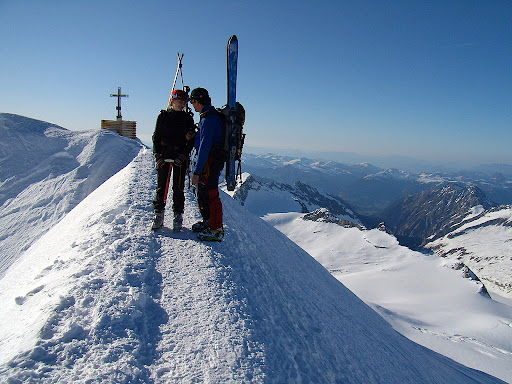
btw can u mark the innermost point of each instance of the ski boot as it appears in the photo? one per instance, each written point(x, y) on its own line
point(177, 223)
point(211, 235)
point(200, 226)
point(158, 221)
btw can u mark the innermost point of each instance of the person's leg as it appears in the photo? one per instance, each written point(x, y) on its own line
point(161, 181)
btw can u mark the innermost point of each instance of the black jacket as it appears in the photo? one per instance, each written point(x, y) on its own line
point(169, 136)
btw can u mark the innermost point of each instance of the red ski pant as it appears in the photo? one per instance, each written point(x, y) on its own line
point(208, 198)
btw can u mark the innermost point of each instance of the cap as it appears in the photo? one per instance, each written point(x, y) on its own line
point(201, 95)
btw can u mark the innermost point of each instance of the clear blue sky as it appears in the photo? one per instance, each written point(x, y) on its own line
point(429, 79)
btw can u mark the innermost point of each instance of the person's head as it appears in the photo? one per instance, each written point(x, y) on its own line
point(199, 97)
point(178, 99)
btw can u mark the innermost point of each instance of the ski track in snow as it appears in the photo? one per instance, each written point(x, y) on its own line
point(116, 302)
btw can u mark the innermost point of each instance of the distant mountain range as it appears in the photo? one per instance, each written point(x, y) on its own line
point(448, 213)
point(406, 163)
point(370, 189)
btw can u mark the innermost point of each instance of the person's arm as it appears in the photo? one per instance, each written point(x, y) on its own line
point(204, 147)
point(157, 137)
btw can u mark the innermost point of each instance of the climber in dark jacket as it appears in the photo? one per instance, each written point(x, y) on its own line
point(172, 139)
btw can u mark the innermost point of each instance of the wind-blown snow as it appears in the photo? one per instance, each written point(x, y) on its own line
point(100, 298)
point(45, 171)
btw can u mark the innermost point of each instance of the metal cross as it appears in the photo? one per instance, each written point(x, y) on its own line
point(118, 95)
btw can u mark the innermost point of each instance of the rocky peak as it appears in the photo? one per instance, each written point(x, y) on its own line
point(432, 214)
point(323, 215)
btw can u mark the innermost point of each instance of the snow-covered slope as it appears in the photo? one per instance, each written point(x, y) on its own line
point(421, 296)
point(262, 198)
point(45, 171)
point(100, 298)
point(483, 241)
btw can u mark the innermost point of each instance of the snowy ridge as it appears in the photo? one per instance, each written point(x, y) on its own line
point(45, 171)
point(483, 242)
point(102, 299)
point(391, 173)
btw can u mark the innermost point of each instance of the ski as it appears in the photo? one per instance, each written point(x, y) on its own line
point(233, 130)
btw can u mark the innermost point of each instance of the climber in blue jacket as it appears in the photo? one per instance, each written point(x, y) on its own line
point(209, 143)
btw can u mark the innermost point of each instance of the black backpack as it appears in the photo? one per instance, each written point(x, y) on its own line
point(233, 138)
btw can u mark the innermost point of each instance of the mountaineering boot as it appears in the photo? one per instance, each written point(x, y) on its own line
point(177, 223)
point(158, 221)
point(200, 226)
point(211, 235)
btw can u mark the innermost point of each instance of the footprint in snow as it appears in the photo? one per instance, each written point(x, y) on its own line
point(21, 299)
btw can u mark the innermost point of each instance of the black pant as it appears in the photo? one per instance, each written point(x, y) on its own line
point(178, 185)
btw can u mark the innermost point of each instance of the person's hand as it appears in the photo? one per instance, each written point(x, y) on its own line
point(159, 162)
point(195, 179)
point(190, 135)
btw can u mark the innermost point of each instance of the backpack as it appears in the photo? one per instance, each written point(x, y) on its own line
point(233, 134)
point(236, 137)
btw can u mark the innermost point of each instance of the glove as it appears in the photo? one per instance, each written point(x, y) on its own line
point(159, 162)
point(190, 135)
point(180, 159)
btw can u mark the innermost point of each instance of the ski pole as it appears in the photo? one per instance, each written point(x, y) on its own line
point(178, 70)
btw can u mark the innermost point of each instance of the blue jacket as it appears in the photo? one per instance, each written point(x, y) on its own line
point(209, 135)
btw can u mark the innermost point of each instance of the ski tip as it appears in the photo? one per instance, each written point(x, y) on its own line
point(233, 38)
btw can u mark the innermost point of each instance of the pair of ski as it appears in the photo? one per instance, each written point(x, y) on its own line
point(234, 130)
